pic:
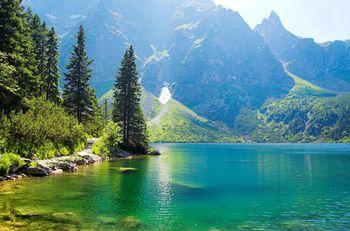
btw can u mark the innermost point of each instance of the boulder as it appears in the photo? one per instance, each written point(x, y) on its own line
point(80, 162)
point(90, 158)
point(155, 153)
point(36, 171)
point(14, 169)
point(120, 153)
point(57, 172)
point(46, 168)
point(67, 167)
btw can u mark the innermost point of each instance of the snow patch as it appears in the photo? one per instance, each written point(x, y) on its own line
point(165, 95)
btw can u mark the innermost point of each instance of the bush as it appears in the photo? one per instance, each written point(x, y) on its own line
point(109, 140)
point(7, 160)
point(44, 131)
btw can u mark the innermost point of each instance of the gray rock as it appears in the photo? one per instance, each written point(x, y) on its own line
point(120, 153)
point(80, 162)
point(36, 171)
point(46, 168)
point(67, 167)
point(1, 178)
point(14, 169)
point(57, 172)
point(155, 153)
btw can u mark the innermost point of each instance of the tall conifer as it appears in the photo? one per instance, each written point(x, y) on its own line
point(77, 93)
point(40, 37)
point(127, 111)
point(51, 74)
point(17, 49)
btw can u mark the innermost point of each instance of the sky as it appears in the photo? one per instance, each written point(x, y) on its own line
point(323, 20)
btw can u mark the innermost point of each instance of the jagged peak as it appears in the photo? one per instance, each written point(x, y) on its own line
point(274, 16)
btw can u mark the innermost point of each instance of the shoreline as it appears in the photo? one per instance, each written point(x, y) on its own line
point(68, 164)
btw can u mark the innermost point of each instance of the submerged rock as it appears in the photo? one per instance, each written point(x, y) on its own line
point(130, 223)
point(127, 170)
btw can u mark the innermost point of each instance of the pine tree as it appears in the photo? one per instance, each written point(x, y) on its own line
point(77, 93)
point(39, 37)
point(16, 47)
point(51, 72)
point(127, 111)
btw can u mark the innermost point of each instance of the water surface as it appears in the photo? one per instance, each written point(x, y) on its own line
point(194, 187)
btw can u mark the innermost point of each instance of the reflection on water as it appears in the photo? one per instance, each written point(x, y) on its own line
point(192, 187)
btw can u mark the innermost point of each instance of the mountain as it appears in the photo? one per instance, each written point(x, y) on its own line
point(216, 65)
point(193, 46)
point(326, 65)
point(62, 14)
point(173, 122)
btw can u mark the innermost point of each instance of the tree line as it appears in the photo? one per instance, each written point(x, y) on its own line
point(29, 54)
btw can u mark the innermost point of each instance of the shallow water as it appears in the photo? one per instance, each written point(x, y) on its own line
point(193, 187)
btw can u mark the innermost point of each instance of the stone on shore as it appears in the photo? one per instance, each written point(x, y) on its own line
point(57, 172)
point(67, 167)
point(155, 153)
point(36, 171)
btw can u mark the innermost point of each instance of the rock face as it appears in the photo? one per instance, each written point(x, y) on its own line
point(326, 65)
point(218, 65)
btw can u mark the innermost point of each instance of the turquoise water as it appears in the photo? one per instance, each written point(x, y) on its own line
point(197, 187)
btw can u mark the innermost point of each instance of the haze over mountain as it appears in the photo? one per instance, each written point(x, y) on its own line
point(193, 45)
point(216, 67)
point(327, 64)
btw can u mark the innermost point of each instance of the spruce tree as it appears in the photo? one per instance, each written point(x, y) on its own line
point(127, 110)
point(40, 37)
point(77, 93)
point(16, 47)
point(51, 72)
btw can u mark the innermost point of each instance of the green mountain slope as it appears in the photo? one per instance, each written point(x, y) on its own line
point(304, 87)
point(308, 113)
point(173, 122)
point(305, 119)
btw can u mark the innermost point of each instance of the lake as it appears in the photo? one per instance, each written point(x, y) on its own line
point(192, 187)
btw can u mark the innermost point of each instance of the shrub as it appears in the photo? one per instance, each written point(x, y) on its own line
point(109, 140)
point(45, 130)
point(7, 160)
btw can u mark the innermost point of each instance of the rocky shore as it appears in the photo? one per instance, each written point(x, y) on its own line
point(59, 165)
point(54, 166)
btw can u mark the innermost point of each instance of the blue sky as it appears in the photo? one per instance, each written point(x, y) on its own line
point(323, 20)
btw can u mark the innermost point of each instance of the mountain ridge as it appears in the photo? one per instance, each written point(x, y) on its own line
point(326, 64)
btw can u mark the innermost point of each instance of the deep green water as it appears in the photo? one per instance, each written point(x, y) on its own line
point(195, 187)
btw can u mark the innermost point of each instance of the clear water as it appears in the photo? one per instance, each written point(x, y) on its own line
point(198, 187)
